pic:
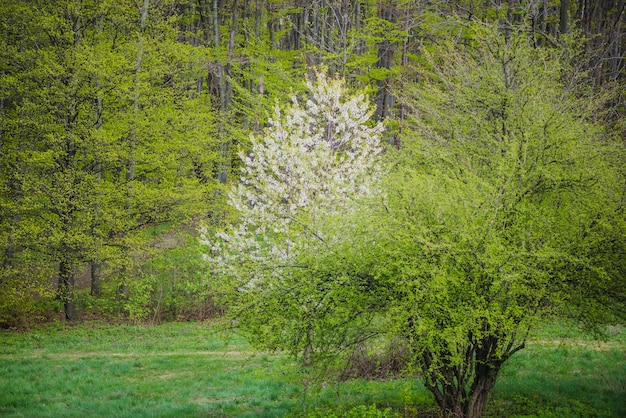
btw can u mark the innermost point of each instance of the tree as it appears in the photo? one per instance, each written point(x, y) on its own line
point(503, 209)
point(313, 163)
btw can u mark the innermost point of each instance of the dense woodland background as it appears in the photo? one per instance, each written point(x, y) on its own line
point(121, 123)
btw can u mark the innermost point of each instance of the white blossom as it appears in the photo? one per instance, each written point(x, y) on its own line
point(314, 160)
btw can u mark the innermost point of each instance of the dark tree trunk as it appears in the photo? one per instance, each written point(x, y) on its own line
point(478, 394)
point(486, 373)
point(564, 17)
point(617, 58)
point(66, 290)
point(539, 24)
point(233, 29)
point(96, 275)
point(216, 26)
point(461, 391)
point(386, 50)
point(509, 18)
point(455, 400)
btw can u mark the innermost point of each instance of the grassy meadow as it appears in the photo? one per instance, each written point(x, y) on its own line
point(189, 370)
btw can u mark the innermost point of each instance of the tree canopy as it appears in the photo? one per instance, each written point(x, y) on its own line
point(502, 210)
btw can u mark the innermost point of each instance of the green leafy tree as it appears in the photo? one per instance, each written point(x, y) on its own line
point(503, 205)
point(104, 133)
point(503, 209)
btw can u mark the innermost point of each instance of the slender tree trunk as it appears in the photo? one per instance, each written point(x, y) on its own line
point(509, 20)
point(408, 23)
point(386, 50)
point(13, 190)
point(122, 290)
point(130, 173)
point(224, 74)
point(270, 26)
point(95, 269)
point(617, 56)
point(458, 402)
point(233, 29)
point(95, 266)
point(540, 24)
point(564, 17)
point(481, 366)
point(66, 290)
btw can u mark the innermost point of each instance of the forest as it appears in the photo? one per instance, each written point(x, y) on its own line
point(332, 176)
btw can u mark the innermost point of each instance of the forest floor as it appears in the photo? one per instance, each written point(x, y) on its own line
point(191, 370)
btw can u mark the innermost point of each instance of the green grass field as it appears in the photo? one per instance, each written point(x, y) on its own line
point(188, 370)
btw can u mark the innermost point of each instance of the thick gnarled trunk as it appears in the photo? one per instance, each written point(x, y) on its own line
point(459, 402)
point(461, 390)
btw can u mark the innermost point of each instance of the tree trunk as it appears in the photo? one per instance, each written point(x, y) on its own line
point(617, 56)
point(96, 289)
point(483, 383)
point(233, 29)
point(66, 290)
point(564, 17)
point(540, 24)
point(509, 18)
point(479, 371)
point(384, 97)
point(456, 401)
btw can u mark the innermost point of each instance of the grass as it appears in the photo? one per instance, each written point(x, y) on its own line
point(564, 373)
point(187, 370)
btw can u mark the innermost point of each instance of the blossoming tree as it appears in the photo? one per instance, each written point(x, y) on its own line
point(316, 160)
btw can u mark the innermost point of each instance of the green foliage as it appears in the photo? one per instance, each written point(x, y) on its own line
point(169, 282)
point(500, 208)
point(313, 165)
point(111, 123)
point(26, 295)
point(586, 386)
point(181, 286)
point(503, 188)
point(360, 411)
point(104, 133)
